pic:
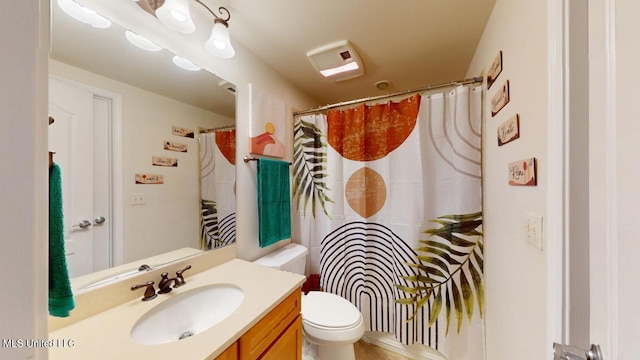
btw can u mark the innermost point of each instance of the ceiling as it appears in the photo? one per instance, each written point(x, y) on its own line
point(410, 43)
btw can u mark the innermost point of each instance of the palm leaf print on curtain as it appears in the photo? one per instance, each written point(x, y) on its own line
point(217, 189)
point(309, 152)
point(383, 172)
point(453, 263)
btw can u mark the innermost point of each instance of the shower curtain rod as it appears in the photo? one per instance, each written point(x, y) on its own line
point(204, 131)
point(473, 80)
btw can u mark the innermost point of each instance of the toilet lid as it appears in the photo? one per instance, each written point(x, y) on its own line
point(328, 310)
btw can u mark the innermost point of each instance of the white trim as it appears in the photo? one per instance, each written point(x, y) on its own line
point(116, 143)
point(611, 238)
point(557, 121)
point(603, 176)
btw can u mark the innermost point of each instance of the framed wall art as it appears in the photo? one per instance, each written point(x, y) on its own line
point(523, 173)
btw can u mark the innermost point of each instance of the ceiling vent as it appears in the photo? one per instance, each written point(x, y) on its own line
point(338, 61)
point(227, 86)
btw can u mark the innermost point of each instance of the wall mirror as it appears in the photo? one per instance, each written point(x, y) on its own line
point(131, 175)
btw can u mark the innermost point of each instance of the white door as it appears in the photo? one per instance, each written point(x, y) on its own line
point(614, 172)
point(78, 138)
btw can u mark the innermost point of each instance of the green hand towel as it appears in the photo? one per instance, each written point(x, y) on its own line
point(274, 201)
point(60, 295)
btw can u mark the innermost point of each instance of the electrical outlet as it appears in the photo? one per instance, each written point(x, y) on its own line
point(534, 230)
point(137, 199)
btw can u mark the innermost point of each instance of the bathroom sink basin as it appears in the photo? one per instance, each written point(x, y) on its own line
point(187, 314)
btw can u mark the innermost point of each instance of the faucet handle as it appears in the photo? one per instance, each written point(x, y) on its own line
point(179, 281)
point(150, 292)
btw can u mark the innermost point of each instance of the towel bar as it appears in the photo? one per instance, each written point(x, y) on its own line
point(250, 158)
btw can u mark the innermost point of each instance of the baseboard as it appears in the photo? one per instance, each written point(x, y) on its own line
point(414, 352)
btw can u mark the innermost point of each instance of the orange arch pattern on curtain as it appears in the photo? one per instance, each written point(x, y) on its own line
point(371, 132)
point(226, 141)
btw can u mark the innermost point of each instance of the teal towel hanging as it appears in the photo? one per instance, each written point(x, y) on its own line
point(60, 295)
point(274, 201)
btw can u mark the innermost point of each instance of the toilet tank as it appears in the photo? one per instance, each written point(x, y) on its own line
point(291, 258)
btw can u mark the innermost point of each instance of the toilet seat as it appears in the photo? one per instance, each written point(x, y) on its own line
point(329, 311)
point(329, 319)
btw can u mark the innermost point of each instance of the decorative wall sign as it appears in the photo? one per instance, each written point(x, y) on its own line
point(500, 99)
point(178, 131)
point(164, 161)
point(267, 124)
point(149, 179)
point(523, 173)
point(494, 70)
point(509, 130)
point(174, 146)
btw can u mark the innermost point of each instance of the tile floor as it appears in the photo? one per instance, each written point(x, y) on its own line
point(363, 350)
point(366, 351)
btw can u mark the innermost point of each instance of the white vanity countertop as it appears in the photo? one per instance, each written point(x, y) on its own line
point(107, 335)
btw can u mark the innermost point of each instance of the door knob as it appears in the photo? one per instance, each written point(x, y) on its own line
point(568, 352)
point(99, 220)
point(83, 224)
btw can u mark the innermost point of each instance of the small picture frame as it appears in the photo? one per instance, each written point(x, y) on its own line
point(523, 173)
point(164, 161)
point(182, 132)
point(175, 146)
point(509, 130)
point(500, 99)
point(149, 179)
point(494, 70)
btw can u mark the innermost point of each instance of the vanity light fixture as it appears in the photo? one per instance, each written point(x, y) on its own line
point(141, 42)
point(185, 64)
point(84, 14)
point(176, 15)
point(219, 43)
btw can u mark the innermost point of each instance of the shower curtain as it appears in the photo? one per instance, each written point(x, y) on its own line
point(388, 200)
point(217, 188)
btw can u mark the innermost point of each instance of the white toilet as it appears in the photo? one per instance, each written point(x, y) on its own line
point(328, 320)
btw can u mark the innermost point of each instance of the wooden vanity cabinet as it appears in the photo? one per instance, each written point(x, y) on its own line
point(231, 353)
point(277, 336)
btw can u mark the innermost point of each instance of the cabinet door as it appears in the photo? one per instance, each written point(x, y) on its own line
point(289, 344)
point(230, 354)
point(265, 333)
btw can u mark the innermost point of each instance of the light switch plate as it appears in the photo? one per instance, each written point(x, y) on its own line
point(534, 230)
point(137, 199)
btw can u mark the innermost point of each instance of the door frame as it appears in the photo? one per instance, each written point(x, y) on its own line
point(556, 217)
point(603, 193)
point(116, 165)
point(603, 180)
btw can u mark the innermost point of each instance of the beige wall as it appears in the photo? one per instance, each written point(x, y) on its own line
point(515, 270)
point(170, 217)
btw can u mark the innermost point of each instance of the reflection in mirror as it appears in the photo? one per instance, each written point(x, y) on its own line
point(143, 114)
point(218, 186)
